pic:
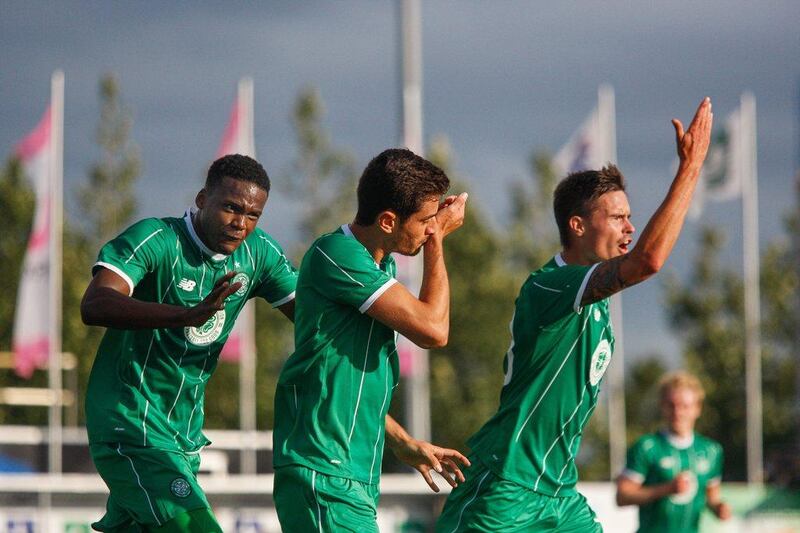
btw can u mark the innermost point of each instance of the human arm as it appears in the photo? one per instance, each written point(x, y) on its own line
point(425, 320)
point(107, 303)
point(633, 492)
point(664, 227)
point(714, 502)
point(424, 456)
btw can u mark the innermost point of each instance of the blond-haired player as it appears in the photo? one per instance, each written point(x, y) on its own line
point(674, 473)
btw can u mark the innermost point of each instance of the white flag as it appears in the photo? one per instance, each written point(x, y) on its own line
point(31, 338)
point(725, 166)
point(593, 145)
point(239, 139)
point(582, 151)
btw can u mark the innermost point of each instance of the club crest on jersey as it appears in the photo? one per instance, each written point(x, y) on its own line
point(242, 278)
point(208, 332)
point(600, 359)
point(180, 487)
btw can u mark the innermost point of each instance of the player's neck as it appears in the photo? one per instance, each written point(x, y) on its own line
point(200, 232)
point(372, 239)
point(572, 255)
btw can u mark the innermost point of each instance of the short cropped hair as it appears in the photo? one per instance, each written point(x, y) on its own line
point(680, 380)
point(238, 167)
point(576, 194)
point(397, 180)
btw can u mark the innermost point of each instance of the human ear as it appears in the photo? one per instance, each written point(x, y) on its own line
point(387, 221)
point(200, 199)
point(576, 225)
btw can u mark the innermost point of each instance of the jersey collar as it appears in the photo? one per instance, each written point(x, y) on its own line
point(347, 231)
point(560, 260)
point(677, 441)
point(214, 256)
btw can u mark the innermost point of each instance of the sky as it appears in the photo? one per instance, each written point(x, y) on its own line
point(500, 80)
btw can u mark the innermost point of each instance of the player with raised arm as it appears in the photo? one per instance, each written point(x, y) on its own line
point(169, 291)
point(523, 471)
point(333, 394)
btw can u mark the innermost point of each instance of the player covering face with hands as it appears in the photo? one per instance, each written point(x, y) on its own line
point(334, 392)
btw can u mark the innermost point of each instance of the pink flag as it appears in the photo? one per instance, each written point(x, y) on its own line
point(238, 139)
point(31, 339)
point(230, 139)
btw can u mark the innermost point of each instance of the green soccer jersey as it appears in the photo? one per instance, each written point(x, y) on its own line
point(334, 391)
point(558, 355)
point(659, 457)
point(147, 386)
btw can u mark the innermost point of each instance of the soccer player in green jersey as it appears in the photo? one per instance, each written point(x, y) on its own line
point(523, 471)
point(169, 291)
point(672, 474)
point(333, 394)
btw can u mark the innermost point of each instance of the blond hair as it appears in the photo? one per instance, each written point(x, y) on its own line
point(680, 380)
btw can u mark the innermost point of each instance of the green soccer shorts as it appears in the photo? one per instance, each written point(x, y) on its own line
point(148, 487)
point(308, 501)
point(485, 502)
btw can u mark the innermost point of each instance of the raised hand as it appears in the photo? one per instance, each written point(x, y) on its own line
point(693, 143)
point(450, 216)
point(215, 301)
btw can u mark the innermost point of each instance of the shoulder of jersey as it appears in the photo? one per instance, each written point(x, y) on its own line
point(257, 235)
point(335, 239)
point(702, 439)
point(155, 223)
point(545, 268)
point(648, 440)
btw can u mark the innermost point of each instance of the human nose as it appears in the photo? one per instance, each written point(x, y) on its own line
point(430, 226)
point(238, 221)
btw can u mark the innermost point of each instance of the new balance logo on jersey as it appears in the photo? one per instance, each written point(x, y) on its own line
point(187, 284)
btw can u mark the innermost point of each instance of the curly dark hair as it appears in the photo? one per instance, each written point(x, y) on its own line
point(238, 167)
point(576, 194)
point(397, 180)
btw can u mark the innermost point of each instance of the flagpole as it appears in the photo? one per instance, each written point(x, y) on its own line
point(247, 359)
point(617, 431)
point(56, 214)
point(796, 258)
point(752, 297)
point(417, 397)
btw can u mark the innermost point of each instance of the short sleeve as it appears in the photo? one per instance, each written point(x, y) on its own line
point(715, 474)
point(343, 271)
point(637, 462)
point(135, 252)
point(559, 291)
point(278, 278)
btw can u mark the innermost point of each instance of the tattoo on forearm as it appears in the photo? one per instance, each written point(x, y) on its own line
point(605, 281)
